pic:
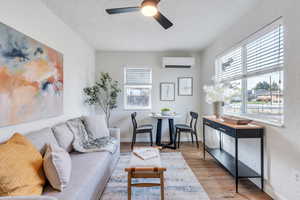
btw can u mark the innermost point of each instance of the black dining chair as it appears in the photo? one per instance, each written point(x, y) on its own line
point(191, 128)
point(146, 128)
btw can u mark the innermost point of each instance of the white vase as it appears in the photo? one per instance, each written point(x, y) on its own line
point(217, 106)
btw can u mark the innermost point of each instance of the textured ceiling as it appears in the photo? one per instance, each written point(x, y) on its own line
point(196, 23)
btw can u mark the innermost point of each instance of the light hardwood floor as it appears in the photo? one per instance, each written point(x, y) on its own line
point(215, 180)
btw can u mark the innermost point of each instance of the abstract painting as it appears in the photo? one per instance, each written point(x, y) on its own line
point(31, 79)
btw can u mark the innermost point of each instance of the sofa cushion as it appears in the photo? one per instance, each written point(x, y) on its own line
point(21, 168)
point(96, 125)
point(64, 136)
point(90, 174)
point(42, 137)
point(57, 166)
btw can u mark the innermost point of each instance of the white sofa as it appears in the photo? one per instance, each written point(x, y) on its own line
point(90, 171)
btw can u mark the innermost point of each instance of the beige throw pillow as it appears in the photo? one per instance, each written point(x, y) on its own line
point(57, 166)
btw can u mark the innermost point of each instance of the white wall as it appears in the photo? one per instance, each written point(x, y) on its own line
point(32, 18)
point(114, 63)
point(282, 148)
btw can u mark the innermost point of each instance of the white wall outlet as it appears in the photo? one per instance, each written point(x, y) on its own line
point(296, 180)
point(296, 175)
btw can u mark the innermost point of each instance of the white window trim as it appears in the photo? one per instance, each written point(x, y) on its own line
point(245, 75)
point(130, 108)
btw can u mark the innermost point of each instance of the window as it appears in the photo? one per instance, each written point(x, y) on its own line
point(137, 88)
point(255, 70)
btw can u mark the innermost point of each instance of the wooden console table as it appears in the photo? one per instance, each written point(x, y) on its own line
point(232, 164)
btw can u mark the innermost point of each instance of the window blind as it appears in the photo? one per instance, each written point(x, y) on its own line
point(231, 65)
point(266, 52)
point(138, 76)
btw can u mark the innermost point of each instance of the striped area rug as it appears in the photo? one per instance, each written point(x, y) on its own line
point(180, 182)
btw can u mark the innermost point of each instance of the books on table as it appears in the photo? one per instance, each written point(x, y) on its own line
point(146, 153)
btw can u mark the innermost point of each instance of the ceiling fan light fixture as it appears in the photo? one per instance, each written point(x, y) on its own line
point(149, 10)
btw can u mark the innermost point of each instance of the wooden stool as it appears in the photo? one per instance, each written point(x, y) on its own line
point(140, 168)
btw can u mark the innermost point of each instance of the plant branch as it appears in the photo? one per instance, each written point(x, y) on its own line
point(103, 94)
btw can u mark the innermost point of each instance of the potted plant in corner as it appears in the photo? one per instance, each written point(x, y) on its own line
point(103, 94)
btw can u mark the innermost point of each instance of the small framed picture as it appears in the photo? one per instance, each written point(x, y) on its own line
point(167, 91)
point(185, 86)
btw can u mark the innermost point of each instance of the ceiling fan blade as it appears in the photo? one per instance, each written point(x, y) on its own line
point(122, 10)
point(160, 18)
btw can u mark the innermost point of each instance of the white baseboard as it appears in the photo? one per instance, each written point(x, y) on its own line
point(275, 195)
point(148, 140)
point(269, 190)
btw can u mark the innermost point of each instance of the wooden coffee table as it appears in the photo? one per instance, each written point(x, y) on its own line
point(151, 168)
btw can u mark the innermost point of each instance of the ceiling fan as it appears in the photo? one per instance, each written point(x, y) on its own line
point(148, 8)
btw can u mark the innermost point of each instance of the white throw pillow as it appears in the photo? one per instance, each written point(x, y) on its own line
point(57, 166)
point(96, 125)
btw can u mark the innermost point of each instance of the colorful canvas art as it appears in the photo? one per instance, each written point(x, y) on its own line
point(31, 78)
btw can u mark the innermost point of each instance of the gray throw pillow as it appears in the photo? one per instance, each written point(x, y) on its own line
point(64, 136)
point(40, 138)
point(96, 125)
point(57, 166)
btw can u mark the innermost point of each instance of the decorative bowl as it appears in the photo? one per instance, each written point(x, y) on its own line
point(166, 113)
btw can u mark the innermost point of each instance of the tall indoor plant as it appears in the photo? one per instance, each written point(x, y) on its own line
point(103, 94)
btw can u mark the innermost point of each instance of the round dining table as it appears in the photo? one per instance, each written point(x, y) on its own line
point(160, 118)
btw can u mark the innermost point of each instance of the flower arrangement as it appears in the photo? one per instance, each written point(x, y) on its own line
point(219, 92)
